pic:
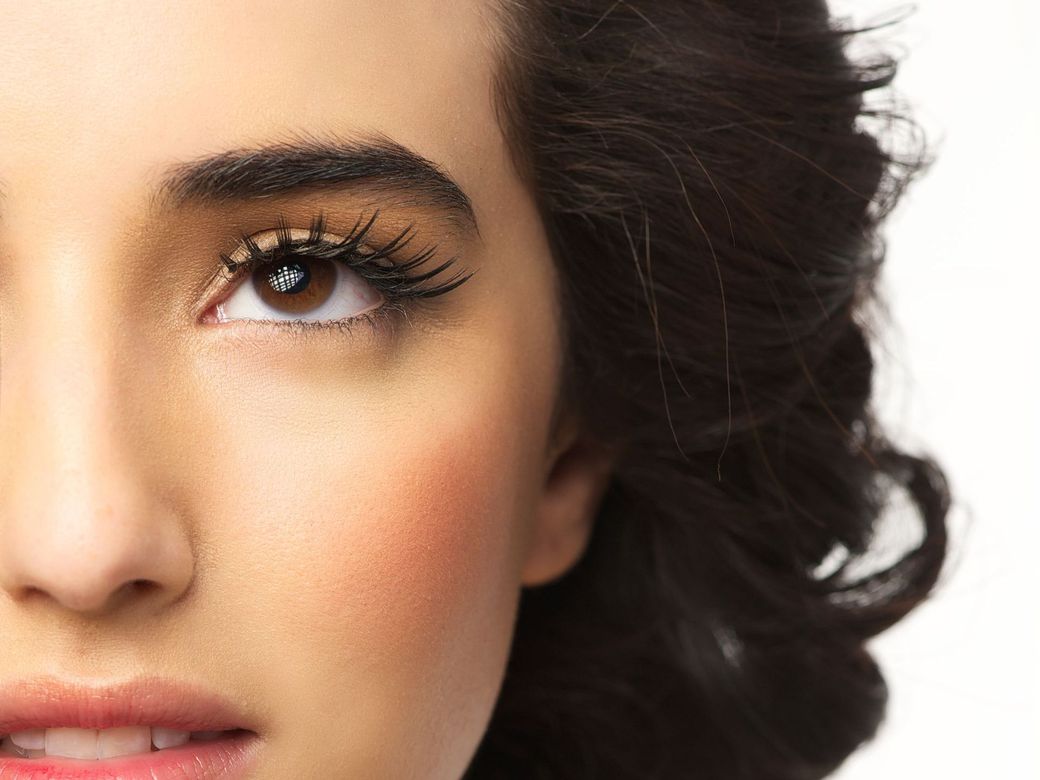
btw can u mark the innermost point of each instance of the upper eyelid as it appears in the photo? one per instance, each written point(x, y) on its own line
point(268, 239)
point(362, 234)
point(251, 245)
point(390, 250)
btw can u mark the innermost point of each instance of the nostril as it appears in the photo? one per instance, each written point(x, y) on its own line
point(133, 589)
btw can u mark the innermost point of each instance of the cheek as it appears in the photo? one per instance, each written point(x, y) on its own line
point(383, 575)
point(426, 539)
point(370, 559)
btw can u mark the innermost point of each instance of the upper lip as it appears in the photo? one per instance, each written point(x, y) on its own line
point(49, 702)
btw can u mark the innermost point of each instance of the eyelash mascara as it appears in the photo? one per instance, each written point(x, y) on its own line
point(397, 281)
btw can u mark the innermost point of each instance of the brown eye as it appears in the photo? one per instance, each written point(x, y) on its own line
point(295, 286)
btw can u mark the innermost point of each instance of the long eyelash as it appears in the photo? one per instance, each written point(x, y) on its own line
point(394, 279)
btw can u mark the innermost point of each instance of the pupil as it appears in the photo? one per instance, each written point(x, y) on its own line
point(289, 278)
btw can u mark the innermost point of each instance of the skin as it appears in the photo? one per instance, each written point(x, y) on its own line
point(334, 528)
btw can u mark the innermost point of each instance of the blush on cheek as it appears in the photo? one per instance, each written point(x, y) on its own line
point(435, 551)
point(428, 591)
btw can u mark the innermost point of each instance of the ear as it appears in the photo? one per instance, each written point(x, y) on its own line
point(576, 476)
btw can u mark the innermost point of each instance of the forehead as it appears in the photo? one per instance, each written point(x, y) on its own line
point(93, 94)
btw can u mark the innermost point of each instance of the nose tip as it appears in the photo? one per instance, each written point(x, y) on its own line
point(91, 543)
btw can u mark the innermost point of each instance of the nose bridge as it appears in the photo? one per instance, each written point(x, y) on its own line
point(79, 518)
point(60, 378)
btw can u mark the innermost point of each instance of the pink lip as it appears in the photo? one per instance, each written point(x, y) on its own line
point(47, 702)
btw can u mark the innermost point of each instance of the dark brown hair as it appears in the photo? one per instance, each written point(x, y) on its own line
point(712, 194)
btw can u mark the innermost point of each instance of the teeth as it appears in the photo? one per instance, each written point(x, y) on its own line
point(72, 743)
point(30, 740)
point(8, 745)
point(164, 738)
point(125, 741)
point(95, 744)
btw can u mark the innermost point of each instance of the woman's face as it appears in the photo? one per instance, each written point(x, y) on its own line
point(327, 527)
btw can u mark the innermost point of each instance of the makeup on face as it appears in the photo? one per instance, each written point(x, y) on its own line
point(278, 354)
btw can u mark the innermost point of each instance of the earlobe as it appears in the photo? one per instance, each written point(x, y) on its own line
point(577, 477)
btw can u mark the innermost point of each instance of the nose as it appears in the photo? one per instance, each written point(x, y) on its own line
point(82, 526)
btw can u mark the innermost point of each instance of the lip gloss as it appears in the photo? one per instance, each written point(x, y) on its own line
point(226, 742)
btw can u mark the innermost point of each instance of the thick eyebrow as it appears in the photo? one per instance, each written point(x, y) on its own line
point(308, 163)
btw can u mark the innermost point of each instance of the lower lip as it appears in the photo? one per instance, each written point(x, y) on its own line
point(228, 759)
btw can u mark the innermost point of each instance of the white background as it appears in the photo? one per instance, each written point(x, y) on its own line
point(960, 379)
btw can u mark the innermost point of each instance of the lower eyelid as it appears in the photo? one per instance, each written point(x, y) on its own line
point(376, 325)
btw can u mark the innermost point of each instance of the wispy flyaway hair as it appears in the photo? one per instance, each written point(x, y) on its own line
point(713, 190)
